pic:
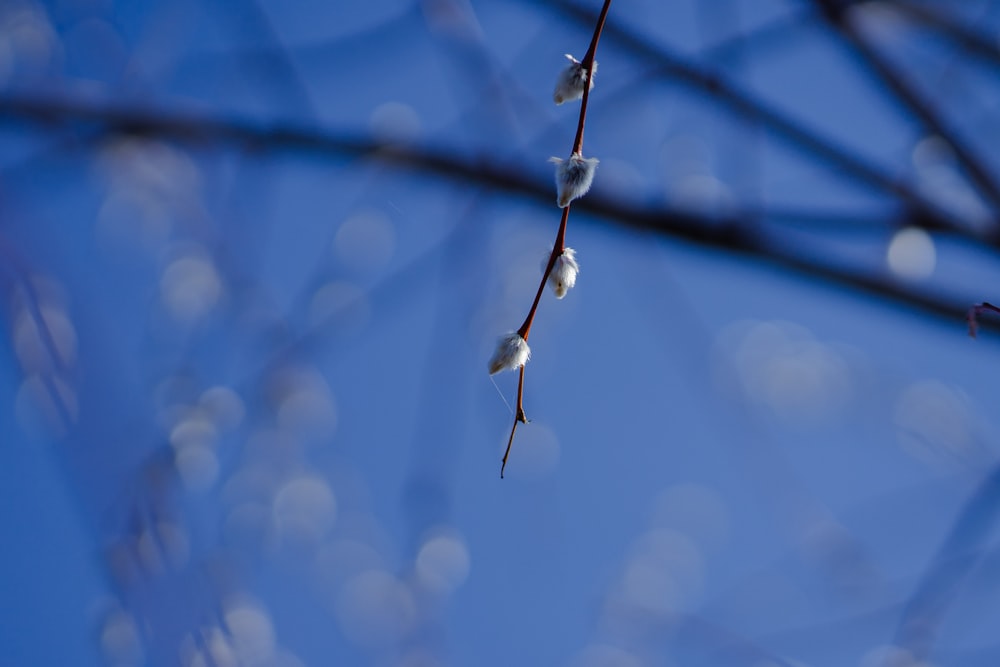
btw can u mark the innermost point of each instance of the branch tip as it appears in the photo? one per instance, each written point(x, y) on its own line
point(560, 243)
point(974, 312)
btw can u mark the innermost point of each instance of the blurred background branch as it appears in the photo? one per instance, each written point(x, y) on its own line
point(738, 231)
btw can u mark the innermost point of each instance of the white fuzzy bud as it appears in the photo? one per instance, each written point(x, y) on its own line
point(512, 352)
point(564, 272)
point(573, 177)
point(569, 85)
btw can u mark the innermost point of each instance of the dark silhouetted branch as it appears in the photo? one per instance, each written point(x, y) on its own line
point(735, 233)
point(895, 81)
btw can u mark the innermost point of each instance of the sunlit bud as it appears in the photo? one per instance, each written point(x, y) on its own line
point(573, 177)
point(512, 352)
point(569, 86)
point(564, 272)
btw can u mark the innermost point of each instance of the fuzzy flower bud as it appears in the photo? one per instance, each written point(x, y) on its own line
point(564, 271)
point(569, 85)
point(512, 352)
point(573, 177)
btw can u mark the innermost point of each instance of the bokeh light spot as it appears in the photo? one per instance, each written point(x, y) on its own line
point(365, 241)
point(340, 304)
point(198, 466)
point(443, 563)
point(911, 254)
point(120, 641)
point(375, 608)
point(224, 406)
point(934, 424)
point(304, 510)
point(606, 655)
point(395, 123)
point(190, 287)
point(252, 632)
point(782, 367)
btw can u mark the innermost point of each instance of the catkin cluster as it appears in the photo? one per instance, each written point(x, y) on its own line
point(574, 176)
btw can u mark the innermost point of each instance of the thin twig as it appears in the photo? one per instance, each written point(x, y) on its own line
point(518, 418)
point(588, 65)
point(560, 243)
point(557, 248)
point(897, 84)
point(967, 37)
point(974, 313)
point(960, 554)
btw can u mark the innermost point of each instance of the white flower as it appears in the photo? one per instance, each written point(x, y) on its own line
point(569, 86)
point(512, 352)
point(564, 272)
point(573, 177)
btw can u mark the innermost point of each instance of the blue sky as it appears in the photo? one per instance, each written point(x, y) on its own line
point(245, 409)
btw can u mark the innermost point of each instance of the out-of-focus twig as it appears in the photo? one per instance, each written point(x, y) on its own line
point(958, 556)
point(965, 37)
point(896, 83)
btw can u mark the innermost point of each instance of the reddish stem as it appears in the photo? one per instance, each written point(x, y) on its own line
point(557, 249)
point(588, 64)
point(560, 244)
point(518, 417)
